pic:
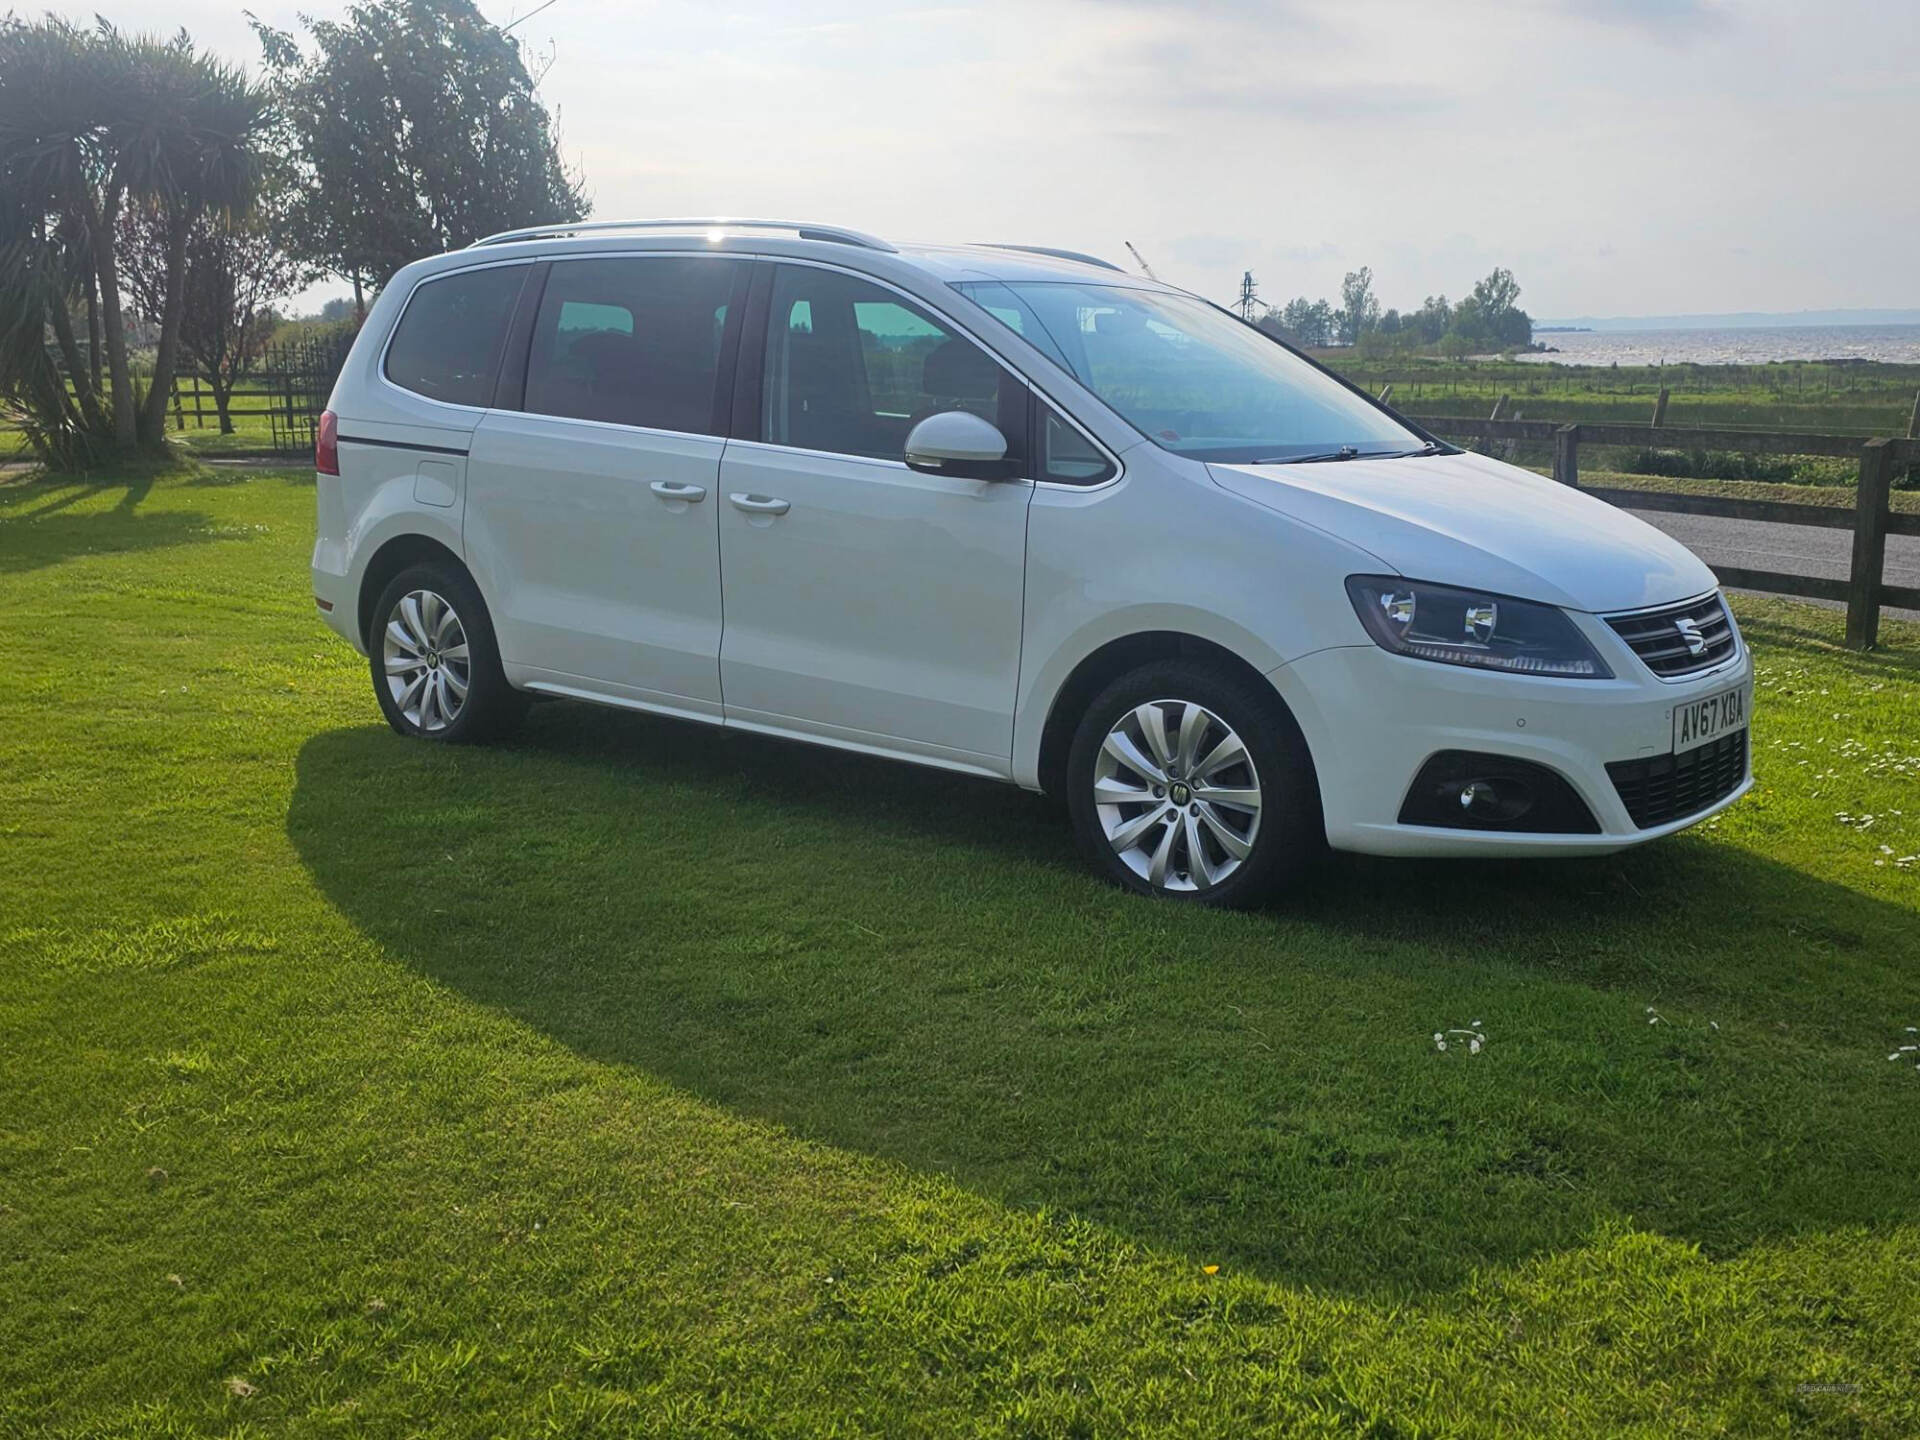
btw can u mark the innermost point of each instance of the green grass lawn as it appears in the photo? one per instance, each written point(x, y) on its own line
point(1864, 398)
point(634, 1078)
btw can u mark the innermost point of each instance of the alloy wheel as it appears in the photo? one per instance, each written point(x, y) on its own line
point(1177, 795)
point(428, 667)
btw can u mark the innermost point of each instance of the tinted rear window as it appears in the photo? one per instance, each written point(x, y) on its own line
point(447, 345)
point(632, 340)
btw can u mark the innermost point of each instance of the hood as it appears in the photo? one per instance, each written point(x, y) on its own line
point(1469, 521)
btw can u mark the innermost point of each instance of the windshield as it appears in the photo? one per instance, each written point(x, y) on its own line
point(1190, 377)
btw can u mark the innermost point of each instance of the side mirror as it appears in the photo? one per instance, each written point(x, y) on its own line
point(958, 443)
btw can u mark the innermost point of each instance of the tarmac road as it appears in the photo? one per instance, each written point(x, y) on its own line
point(1795, 549)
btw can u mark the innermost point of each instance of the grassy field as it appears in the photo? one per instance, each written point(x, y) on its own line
point(634, 1078)
point(1863, 398)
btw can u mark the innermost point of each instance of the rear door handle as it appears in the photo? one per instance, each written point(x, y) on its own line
point(759, 504)
point(678, 490)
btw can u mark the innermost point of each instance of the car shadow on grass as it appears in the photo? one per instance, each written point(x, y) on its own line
point(914, 966)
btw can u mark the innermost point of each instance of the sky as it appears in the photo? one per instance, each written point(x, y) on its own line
point(1619, 156)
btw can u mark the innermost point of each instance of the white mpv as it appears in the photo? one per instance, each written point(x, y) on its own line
point(1010, 511)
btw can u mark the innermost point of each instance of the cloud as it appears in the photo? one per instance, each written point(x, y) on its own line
point(1231, 251)
point(1664, 17)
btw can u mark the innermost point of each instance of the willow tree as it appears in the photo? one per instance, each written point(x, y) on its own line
point(92, 121)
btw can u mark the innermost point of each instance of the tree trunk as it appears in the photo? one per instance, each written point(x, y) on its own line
point(93, 328)
point(359, 303)
point(222, 397)
point(153, 423)
point(112, 323)
point(90, 414)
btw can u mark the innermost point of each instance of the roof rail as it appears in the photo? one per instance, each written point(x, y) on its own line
point(1058, 254)
point(806, 230)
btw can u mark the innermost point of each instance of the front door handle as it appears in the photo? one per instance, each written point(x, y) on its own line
point(678, 490)
point(758, 504)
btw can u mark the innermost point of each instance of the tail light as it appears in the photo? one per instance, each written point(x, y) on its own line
point(326, 445)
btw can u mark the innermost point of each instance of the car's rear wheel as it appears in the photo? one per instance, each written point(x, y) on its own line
point(1186, 782)
point(436, 665)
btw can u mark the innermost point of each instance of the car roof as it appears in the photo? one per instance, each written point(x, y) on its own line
point(856, 249)
point(1016, 262)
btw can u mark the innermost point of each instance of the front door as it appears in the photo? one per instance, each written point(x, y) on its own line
point(866, 602)
point(592, 513)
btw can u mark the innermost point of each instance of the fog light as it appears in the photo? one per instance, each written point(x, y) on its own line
point(1502, 801)
point(1465, 790)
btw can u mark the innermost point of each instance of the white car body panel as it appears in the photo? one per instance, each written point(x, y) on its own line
point(1513, 532)
point(937, 620)
point(885, 604)
point(593, 579)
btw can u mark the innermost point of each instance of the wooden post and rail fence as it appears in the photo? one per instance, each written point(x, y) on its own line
point(290, 388)
point(1871, 517)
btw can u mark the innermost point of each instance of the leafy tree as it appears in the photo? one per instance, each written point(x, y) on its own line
point(1498, 294)
point(1498, 300)
point(92, 121)
point(1432, 320)
point(1359, 309)
point(235, 270)
point(1303, 321)
point(415, 128)
point(1491, 318)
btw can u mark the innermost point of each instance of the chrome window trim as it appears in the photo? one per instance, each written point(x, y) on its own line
point(753, 257)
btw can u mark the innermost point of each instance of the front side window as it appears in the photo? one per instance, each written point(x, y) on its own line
point(851, 368)
point(1190, 377)
point(447, 344)
point(632, 340)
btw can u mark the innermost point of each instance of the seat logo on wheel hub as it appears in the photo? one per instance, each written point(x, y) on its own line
point(1179, 792)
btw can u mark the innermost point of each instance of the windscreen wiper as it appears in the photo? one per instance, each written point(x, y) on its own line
point(1345, 452)
point(1353, 452)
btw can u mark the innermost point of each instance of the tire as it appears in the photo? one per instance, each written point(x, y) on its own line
point(1218, 735)
point(432, 612)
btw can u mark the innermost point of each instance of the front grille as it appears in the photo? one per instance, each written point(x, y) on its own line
point(1671, 787)
point(1661, 642)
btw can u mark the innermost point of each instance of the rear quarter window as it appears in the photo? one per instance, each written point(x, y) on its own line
point(448, 342)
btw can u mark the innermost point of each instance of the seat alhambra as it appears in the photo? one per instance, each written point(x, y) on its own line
point(1011, 511)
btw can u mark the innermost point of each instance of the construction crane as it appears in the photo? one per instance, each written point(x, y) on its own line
point(1140, 260)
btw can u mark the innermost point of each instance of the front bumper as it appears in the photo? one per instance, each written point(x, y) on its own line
point(1372, 719)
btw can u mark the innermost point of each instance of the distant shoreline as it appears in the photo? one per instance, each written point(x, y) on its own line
point(1731, 345)
point(1739, 320)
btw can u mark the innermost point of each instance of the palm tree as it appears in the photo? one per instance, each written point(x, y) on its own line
point(91, 121)
point(52, 171)
point(185, 133)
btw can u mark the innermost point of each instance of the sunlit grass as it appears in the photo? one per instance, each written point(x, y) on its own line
point(633, 1078)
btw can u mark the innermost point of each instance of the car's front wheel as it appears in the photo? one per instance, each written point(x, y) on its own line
point(436, 665)
point(1185, 781)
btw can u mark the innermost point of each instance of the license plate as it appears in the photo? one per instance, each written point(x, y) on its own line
point(1700, 722)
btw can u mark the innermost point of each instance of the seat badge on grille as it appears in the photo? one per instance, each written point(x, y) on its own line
point(1690, 635)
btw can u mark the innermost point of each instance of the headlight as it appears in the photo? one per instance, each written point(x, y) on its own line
point(1466, 627)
